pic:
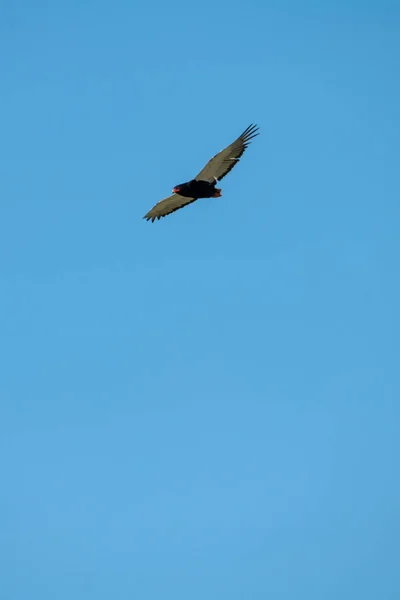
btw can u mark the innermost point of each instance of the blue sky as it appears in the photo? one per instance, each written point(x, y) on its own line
point(206, 406)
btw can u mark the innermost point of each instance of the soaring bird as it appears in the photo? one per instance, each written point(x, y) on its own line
point(203, 185)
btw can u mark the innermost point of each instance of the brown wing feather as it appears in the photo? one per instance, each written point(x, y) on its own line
point(223, 162)
point(167, 206)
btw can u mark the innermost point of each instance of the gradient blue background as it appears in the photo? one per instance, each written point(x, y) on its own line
point(205, 407)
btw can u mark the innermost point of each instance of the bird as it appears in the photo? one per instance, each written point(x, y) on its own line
point(203, 185)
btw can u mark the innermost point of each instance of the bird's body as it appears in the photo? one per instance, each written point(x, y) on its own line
point(197, 189)
point(203, 185)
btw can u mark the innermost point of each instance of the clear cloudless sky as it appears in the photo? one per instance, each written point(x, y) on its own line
point(206, 407)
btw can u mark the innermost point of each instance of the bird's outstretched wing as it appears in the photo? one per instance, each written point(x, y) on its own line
point(220, 164)
point(167, 206)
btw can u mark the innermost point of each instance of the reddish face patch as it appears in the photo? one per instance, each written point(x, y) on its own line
point(175, 190)
point(216, 194)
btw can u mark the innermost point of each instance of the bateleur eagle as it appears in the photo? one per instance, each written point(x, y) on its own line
point(203, 185)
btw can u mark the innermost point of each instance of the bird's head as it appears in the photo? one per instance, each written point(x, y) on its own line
point(176, 189)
